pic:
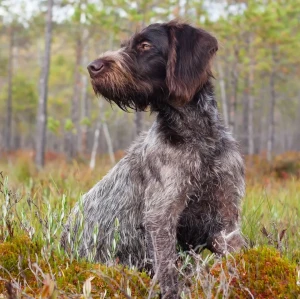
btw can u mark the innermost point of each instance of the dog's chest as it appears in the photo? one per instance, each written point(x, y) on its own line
point(165, 162)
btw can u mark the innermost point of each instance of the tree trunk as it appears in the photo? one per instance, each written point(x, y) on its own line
point(95, 145)
point(245, 121)
point(8, 120)
point(233, 102)
point(263, 123)
point(102, 122)
point(109, 143)
point(251, 102)
point(297, 139)
point(106, 133)
point(84, 95)
point(223, 93)
point(43, 90)
point(271, 125)
point(75, 105)
point(186, 9)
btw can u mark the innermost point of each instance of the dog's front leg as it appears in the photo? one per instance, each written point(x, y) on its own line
point(161, 218)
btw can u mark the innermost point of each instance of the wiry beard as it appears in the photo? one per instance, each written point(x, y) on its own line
point(119, 86)
point(126, 98)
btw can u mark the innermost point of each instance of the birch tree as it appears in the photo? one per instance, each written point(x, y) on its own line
point(8, 121)
point(43, 91)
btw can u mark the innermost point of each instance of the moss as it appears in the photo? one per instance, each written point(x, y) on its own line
point(262, 272)
point(16, 251)
point(19, 253)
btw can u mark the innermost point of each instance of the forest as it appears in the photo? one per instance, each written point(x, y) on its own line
point(256, 70)
point(57, 139)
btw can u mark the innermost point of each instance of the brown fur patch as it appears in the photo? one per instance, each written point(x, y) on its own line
point(183, 87)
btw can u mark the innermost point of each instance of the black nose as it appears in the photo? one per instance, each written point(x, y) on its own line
point(95, 67)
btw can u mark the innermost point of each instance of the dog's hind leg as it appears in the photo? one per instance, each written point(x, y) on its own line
point(225, 235)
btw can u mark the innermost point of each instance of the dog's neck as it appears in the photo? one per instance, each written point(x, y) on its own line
point(197, 120)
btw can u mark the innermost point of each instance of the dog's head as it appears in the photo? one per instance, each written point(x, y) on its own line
point(163, 64)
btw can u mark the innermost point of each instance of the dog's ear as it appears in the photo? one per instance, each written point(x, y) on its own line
point(189, 57)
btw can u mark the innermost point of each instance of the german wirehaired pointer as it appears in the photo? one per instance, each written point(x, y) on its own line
point(181, 182)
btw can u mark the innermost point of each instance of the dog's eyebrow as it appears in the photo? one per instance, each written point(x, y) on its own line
point(140, 37)
point(150, 35)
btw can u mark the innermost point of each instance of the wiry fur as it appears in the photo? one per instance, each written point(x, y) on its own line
point(182, 181)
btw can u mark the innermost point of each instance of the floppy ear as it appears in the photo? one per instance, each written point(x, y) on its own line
point(189, 57)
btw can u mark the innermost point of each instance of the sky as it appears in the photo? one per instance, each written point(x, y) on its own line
point(24, 9)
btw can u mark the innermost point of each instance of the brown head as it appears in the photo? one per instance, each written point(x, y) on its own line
point(164, 64)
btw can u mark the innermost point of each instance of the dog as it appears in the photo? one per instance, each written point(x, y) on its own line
point(181, 183)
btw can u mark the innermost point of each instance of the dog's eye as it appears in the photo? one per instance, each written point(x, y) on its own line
point(145, 46)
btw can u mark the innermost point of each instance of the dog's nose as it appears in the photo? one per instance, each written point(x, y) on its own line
point(95, 67)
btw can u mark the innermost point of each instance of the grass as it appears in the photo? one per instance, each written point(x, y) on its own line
point(34, 205)
point(271, 215)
